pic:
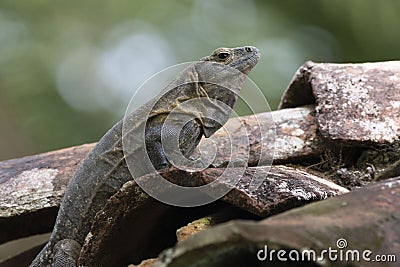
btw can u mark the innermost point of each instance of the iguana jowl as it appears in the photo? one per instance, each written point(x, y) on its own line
point(104, 170)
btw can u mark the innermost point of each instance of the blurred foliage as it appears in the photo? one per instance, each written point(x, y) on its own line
point(69, 68)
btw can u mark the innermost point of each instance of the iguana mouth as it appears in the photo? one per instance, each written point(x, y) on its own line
point(248, 61)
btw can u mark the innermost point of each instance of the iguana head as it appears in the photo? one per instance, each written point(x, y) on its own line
point(241, 58)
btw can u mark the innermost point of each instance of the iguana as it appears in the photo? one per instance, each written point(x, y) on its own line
point(104, 170)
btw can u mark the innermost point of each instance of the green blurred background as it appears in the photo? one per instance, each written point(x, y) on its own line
point(69, 68)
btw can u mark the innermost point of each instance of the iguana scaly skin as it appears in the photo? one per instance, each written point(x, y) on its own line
point(104, 170)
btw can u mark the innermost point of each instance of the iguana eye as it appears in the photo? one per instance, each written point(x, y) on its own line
point(223, 55)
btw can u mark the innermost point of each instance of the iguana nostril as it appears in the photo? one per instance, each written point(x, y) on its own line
point(248, 49)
